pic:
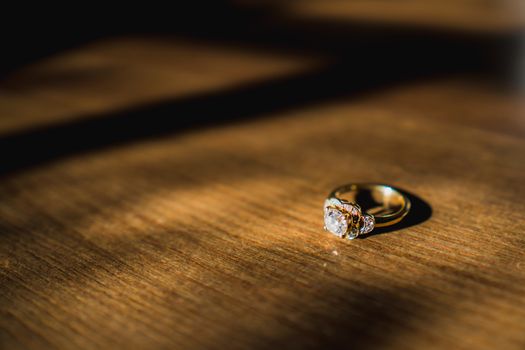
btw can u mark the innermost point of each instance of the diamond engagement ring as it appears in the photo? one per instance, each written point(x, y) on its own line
point(355, 209)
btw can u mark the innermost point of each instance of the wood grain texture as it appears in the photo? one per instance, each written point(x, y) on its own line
point(211, 238)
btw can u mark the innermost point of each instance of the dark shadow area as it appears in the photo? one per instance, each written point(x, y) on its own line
point(420, 212)
point(363, 58)
point(32, 147)
point(30, 36)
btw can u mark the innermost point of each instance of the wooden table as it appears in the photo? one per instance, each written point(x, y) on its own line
point(167, 193)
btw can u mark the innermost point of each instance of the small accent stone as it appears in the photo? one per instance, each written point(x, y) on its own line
point(335, 222)
point(331, 202)
point(368, 223)
point(353, 233)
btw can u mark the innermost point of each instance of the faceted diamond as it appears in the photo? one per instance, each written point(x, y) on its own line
point(352, 233)
point(368, 223)
point(335, 222)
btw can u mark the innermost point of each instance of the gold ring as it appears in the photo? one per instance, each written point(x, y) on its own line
point(355, 209)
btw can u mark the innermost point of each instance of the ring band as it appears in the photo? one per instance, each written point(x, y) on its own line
point(355, 209)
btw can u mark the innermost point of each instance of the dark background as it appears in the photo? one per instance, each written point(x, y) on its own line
point(364, 54)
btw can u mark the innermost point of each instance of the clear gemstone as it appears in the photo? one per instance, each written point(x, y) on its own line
point(335, 222)
point(353, 232)
point(332, 202)
point(368, 223)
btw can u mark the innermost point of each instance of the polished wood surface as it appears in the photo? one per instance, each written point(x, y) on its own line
point(206, 233)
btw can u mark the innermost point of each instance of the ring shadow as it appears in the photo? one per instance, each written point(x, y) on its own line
point(420, 211)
